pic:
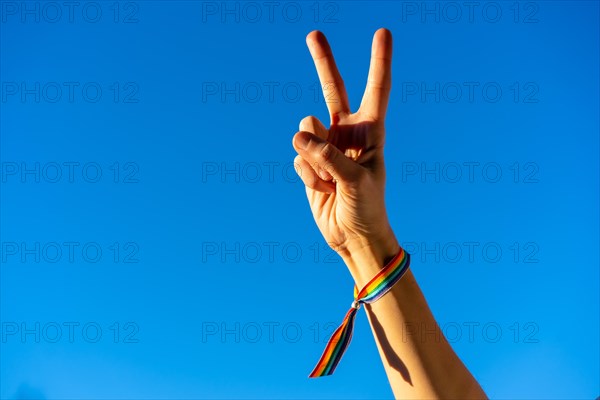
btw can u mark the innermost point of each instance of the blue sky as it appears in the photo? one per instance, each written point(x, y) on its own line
point(156, 243)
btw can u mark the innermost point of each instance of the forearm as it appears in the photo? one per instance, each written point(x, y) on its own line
point(418, 360)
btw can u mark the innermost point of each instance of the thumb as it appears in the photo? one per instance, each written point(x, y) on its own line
point(322, 154)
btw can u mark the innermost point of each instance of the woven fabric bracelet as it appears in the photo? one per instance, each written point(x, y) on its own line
point(374, 290)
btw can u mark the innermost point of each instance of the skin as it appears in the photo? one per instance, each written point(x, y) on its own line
point(343, 170)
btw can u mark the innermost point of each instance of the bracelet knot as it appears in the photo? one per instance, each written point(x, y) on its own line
point(374, 290)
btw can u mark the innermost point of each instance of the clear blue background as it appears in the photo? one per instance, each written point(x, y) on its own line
point(173, 216)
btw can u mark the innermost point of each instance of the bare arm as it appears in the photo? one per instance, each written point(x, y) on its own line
point(343, 169)
point(418, 360)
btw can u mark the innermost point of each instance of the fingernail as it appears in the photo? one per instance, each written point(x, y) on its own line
point(302, 140)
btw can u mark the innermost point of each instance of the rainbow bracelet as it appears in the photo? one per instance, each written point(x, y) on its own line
point(374, 290)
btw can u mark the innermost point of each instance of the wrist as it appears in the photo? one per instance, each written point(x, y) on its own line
point(366, 257)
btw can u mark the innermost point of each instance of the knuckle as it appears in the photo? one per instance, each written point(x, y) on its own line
point(327, 153)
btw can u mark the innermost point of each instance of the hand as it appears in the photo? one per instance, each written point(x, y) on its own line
point(342, 167)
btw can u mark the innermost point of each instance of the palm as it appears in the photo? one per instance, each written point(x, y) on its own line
point(351, 207)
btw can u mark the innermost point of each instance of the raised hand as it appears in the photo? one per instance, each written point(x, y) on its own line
point(342, 166)
point(343, 170)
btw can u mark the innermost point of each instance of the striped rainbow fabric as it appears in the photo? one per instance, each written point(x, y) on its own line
point(374, 290)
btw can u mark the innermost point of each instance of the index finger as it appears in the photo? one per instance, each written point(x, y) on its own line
point(329, 76)
point(379, 82)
